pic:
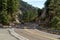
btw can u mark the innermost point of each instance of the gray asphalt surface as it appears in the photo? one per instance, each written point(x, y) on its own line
point(4, 35)
point(31, 34)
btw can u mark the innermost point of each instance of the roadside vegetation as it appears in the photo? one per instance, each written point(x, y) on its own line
point(8, 11)
point(53, 11)
point(18, 11)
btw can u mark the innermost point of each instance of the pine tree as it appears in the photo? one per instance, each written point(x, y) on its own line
point(8, 10)
point(3, 14)
point(53, 8)
point(13, 6)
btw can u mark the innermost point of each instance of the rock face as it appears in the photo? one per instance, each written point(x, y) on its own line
point(17, 18)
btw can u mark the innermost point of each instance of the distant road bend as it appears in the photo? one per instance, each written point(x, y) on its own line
point(31, 34)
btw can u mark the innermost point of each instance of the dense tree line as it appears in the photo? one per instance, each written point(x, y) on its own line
point(8, 9)
point(53, 13)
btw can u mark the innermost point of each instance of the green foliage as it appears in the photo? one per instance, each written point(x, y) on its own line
point(4, 18)
point(54, 21)
point(58, 25)
point(28, 16)
point(53, 12)
point(3, 12)
point(13, 6)
point(8, 8)
point(29, 13)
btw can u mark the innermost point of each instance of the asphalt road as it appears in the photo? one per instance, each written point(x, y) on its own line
point(4, 35)
point(31, 34)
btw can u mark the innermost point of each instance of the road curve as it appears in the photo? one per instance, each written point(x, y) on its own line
point(31, 34)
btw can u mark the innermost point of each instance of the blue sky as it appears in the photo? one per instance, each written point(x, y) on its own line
point(36, 3)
